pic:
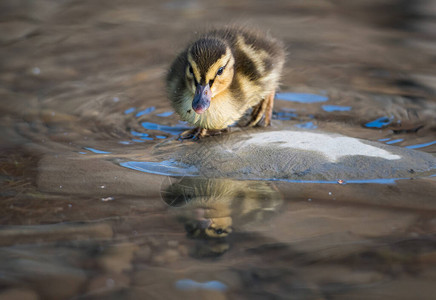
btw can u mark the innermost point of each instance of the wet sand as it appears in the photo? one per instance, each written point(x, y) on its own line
point(82, 91)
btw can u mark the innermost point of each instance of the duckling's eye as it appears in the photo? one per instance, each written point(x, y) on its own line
point(219, 231)
point(190, 70)
point(220, 71)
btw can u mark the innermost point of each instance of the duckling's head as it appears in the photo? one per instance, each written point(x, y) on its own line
point(209, 71)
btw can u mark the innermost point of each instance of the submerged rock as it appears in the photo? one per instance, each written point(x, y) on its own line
point(289, 155)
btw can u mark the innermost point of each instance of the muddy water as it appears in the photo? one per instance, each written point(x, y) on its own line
point(82, 91)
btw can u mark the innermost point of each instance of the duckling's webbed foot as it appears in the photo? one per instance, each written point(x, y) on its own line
point(262, 113)
point(198, 133)
point(193, 134)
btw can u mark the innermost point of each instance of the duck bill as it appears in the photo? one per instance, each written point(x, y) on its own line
point(202, 98)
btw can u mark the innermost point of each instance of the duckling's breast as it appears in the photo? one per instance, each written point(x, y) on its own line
point(228, 107)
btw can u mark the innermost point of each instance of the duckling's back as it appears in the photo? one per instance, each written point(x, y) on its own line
point(259, 60)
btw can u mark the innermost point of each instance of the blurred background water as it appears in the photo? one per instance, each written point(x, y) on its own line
point(82, 90)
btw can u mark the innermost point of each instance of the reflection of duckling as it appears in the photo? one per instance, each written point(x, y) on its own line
point(224, 74)
point(204, 224)
point(209, 207)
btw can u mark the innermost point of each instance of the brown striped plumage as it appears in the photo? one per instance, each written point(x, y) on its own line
point(223, 75)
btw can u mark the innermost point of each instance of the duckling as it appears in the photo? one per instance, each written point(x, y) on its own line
point(224, 75)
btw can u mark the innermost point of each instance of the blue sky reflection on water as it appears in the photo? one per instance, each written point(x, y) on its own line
point(189, 284)
point(96, 150)
point(176, 169)
point(145, 111)
point(166, 167)
point(129, 110)
point(380, 122)
point(307, 125)
point(333, 108)
point(301, 97)
point(173, 130)
point(394, 141)
point(421, 145)
point(165, 114)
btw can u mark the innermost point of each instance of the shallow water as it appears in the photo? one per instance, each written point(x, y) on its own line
point(83, 95)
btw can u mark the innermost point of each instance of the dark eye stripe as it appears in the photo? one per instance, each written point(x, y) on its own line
point(220, 70)
point(191, 71)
